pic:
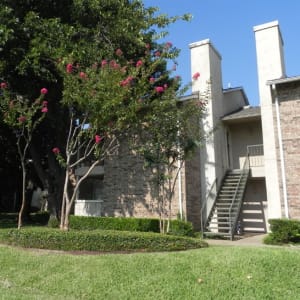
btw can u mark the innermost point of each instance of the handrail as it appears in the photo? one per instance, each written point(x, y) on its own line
point(232, 223)
point(204, 206)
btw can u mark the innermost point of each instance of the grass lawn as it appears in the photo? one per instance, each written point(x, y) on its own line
point(209, 273)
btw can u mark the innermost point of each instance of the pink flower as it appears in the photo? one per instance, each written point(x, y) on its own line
point(126, 81)
point(3, 85)
point(159, 89)
point(165, 86)
point(98, 139)
point(44, 109)
point(103, 63)
point(168, 45)
point(119, 52)
point(69, 68)
point(82, 75)
point(139, 63)
point(22, 119)
point(152, 80)
point(44, 91)
point(196, 75)
point(45, 103)
point(157, 53)
point(56, 150)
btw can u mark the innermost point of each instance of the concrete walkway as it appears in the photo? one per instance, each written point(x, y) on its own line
point(255, 240)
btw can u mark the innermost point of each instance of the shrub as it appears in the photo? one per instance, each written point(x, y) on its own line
point(177, 227)
point(283, 231)
point(40, 217)
point(53, 222)
point(96, 240)
point(111, 223)
point(11, 219)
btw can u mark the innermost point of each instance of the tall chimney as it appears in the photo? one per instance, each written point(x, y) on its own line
point(206, 60)
point(270, 65)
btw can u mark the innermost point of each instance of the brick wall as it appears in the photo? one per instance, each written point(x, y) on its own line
point(289, 107)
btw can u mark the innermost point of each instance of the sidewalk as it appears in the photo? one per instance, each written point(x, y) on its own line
point(255, 240)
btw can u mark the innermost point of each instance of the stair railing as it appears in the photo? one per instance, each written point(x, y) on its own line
point(208, 205)
point(233, 217)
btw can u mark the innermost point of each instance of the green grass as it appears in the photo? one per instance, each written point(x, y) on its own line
point(226, 273)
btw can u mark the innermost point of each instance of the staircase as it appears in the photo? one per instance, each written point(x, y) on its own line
point(222, 220)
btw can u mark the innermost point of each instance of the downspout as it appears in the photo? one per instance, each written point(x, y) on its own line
point(282, 164)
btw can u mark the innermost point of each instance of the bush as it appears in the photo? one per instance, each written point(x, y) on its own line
point(96, 240)
point(11, 219)
point(283, 231)
point(177, 227)
point(183, 228)
point(111, 223)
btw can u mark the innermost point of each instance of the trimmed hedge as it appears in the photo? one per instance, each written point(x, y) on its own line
point(11, 219)
point(96, 240)
point(177, 227)
point(283, 231)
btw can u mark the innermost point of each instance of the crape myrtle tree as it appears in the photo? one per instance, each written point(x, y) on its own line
point(35, 35)
point(23, 116)
point(111, 100)
point(172, 134)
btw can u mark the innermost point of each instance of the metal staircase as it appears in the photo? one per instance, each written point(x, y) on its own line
point(224, 213)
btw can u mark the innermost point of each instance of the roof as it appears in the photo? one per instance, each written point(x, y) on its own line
point(235, 89)
point(246, 113)
point(283, 80)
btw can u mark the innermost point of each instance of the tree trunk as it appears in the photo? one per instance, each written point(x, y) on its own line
point(21, 212)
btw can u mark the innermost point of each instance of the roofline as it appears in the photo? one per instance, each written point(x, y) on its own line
point(193, 96)
point(283, 80)
point(239, 88)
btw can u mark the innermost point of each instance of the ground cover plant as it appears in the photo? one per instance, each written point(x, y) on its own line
point(96, 240)
point(209, 273)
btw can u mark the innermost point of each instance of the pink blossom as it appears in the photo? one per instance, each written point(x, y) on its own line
point(44, 109)
point(169, 44)
point(139, 63)
point(44, 91)
point(159, 89)
point(119, 52)
point(196, 75)
point(69, 68)
point(152, 80)
point(126, 81)
point(56, 150)
point(157, 54)
point(3, 85)
point(45, 103)
point(22, 119)
point(98, 139)
point(103, 63)
point(165, 86)
point(82, 75)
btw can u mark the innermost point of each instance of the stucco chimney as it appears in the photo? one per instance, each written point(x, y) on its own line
point(206, 60)
point(270, 65)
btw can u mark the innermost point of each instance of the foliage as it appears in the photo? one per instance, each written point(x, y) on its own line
point(23, 116)
point(217, 273)
point(283, 231)
point(35, 35)
point(96, 240)
point(178, 227)
point(8, 220)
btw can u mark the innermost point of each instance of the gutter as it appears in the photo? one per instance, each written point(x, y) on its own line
point(282, 163)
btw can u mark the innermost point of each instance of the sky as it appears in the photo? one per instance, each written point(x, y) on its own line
point(229, 26)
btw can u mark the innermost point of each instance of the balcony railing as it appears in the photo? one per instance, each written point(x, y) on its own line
point(256, 155)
